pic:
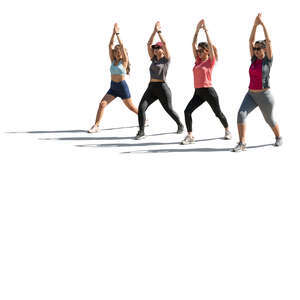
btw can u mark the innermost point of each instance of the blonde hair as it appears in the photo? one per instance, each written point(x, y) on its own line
point(128, 64)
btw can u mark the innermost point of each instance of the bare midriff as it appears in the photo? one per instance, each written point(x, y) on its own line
point(156, 80)
point(258, 91)
point(117, 78)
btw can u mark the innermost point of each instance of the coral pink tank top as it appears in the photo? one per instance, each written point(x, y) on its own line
point(202, 72)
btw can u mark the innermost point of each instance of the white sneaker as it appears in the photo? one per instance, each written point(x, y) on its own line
point(94, 129)
point(278, 141)
point(188, 140)
point(228, 135)
point(239, 147)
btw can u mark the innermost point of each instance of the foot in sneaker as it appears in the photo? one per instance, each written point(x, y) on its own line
point(94, 129)
point(188, 140)
point(278, 141)
point(140, 135)
point(228, 135)
point(239, 147)
point(180, 129)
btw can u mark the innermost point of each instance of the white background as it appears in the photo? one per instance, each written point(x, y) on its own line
point(106, 217)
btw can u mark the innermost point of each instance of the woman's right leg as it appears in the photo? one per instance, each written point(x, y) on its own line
point(147, 99)
point(194, 103)
point(103, 103)
point(246, 107)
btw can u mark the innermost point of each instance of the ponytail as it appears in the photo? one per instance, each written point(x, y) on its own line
point(128, 64)
point(215, 52)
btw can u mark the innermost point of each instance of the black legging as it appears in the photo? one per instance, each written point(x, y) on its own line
point(200, 96)
point(160, 91)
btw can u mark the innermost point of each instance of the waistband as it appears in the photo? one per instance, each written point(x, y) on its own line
point(157, 82)
point(259, 93)
point(118, 82)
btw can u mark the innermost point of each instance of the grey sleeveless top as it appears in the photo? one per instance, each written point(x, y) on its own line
point(159, 68)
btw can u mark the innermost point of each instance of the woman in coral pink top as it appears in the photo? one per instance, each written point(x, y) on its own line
point(205, 55)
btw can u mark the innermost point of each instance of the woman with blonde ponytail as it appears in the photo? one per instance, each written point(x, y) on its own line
point(206, 55)
point(120, 66)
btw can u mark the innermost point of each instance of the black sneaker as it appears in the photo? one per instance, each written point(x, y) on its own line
point(180, 129)
point(140, 135)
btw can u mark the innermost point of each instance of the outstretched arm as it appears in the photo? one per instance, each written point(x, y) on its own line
point(166, 51)
point(210, 46)
point(150, 42)
point(268, 41)
point(194, 43)
point(124, 53)
point(252, 35)
point(110, 46)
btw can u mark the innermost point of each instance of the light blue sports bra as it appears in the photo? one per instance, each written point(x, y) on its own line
point(118, 69)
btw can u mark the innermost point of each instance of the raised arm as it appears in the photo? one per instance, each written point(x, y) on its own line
point(164, 46)
point(150, 42)
point(194, 44)
point(268, 41)
point(215, 52)
point(252, 35)
point(210, 46)
point(110, 46)
point(124, 53)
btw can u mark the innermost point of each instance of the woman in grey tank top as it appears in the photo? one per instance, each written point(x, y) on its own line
point(157, 88)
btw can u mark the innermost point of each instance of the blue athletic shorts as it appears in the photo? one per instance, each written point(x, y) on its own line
point(119, 89)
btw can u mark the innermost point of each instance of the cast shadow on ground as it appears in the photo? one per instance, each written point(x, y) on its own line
point(68, 131)
point(191, 150)
point(95, 138)
point(139, 144)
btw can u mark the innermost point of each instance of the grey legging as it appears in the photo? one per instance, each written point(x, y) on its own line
point(264, 100)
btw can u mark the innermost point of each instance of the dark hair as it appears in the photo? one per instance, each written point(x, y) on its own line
point(262, 43)
point(205, 46)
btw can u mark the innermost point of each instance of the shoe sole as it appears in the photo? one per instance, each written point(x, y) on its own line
point(241, 150)
point(93, 131)
point(187, 143)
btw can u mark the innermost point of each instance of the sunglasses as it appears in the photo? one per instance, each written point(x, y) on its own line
point(257, 49)
point(156, 47)
point(201, 50)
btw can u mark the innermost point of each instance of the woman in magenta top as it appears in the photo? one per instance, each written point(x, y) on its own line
point(259, 94)
point(205, 55)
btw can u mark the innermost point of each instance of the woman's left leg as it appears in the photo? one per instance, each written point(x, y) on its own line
point(213, 101)
point(165, 99)
point(266, 102)
point(126, 97)
point(130, 105)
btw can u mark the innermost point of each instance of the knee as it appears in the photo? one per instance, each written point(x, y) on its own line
point(187, 112)
point(220, 115)
point(142, 107)
point(242, 115)
point(132, 108)
point(102, 104)
point(271, 122)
